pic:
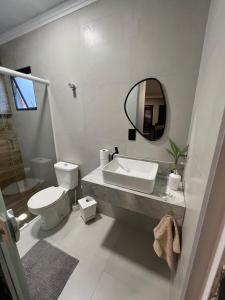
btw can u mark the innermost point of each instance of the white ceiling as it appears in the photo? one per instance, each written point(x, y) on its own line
point(16, 12)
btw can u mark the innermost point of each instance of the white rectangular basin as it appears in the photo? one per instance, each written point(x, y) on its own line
point(133, 174)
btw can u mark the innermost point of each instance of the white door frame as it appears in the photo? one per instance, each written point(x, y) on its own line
point(207, 249)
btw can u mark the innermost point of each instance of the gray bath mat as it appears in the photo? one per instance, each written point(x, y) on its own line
point(47, 270)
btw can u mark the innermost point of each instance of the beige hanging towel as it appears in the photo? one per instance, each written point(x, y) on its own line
point(167, 240)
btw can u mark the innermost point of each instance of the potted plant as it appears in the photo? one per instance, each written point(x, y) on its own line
point(176, 152)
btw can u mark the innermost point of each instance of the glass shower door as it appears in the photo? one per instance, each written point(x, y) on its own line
point(9, 256)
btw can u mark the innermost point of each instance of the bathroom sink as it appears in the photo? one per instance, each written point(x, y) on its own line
point(129, 173)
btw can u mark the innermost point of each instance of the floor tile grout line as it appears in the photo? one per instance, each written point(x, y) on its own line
point(104, 269)
point(97, 284)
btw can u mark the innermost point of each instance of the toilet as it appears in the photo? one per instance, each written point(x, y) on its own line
point(53, 204)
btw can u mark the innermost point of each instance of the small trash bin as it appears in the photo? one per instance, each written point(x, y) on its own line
point(87, 206)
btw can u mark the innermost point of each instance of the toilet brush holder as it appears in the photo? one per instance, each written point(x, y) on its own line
point(87, 206)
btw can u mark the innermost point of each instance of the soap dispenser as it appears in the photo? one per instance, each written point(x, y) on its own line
point(174, 181)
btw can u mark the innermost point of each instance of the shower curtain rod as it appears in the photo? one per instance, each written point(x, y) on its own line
point(10, 72)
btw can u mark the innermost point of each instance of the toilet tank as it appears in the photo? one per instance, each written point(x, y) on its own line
point(66, 174)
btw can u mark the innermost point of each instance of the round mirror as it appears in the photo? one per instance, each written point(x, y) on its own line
point(145, 107)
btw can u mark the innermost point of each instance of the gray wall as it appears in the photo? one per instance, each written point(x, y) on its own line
point(104, 49)
point(206, 123)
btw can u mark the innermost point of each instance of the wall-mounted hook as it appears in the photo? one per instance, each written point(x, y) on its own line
point(73, 87)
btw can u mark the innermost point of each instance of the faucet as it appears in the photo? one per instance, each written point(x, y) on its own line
point(116, 152)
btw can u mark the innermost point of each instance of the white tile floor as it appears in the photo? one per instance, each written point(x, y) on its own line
point(116, 262)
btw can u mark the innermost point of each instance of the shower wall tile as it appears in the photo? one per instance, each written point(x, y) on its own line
point(11, 163)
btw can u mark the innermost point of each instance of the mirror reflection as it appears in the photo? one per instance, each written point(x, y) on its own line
point(145, 107)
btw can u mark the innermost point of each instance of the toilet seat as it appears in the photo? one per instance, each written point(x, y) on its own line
point(45, 198)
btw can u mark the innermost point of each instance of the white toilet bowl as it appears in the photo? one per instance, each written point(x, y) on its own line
point(53, 204)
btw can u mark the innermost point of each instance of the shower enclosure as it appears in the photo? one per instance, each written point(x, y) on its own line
point(27, 151)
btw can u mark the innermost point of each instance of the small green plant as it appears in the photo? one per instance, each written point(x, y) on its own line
point(176, 153)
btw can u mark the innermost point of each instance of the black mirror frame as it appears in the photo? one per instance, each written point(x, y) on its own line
point(163, 98)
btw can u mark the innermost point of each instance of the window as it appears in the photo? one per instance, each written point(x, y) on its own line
point(23, 91)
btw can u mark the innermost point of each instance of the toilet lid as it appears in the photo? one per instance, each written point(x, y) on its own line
point(45, 197)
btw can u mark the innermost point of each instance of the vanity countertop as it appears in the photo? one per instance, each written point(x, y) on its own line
point(160, 192)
